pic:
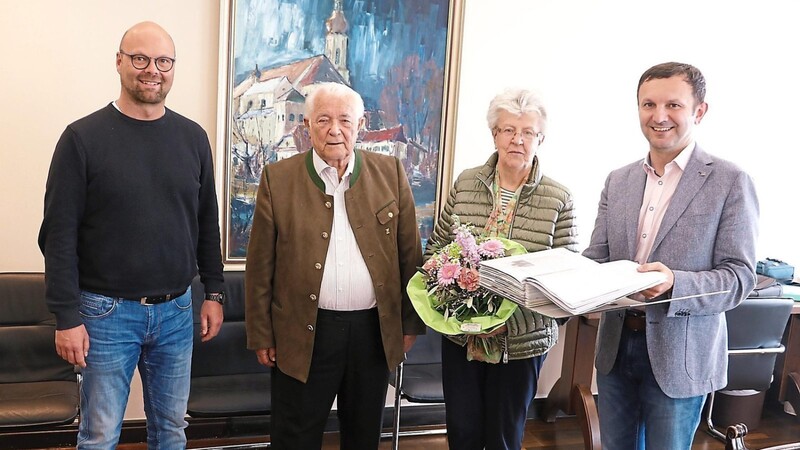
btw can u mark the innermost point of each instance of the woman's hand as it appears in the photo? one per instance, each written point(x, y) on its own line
point(501, 330)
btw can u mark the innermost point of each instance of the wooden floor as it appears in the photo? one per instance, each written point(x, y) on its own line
point(776, 428)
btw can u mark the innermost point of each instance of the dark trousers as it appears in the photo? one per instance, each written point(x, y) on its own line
point(349, 362)
point(486, 404)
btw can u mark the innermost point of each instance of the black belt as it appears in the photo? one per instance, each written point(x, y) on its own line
point(156, 299)
point(635, 321)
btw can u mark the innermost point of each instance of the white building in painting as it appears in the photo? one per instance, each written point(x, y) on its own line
point(390, 141)
point(268, 105)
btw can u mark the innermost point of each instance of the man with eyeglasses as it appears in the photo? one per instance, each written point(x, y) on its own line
point(130, 217)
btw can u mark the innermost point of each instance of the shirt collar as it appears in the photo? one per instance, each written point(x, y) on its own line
point(320, 165)
point(681, 160)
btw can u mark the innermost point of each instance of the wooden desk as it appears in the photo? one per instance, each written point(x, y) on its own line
point(789, 361)
point(580, 334)
point(578, 363)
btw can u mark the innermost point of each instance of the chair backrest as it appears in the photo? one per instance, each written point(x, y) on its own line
point(227, 353)
point(427, 349)
point(227, 379)
point(422, 370)
point(755, 329)
point(37, 387)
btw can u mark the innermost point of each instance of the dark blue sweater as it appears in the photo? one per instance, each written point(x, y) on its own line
point(130, 210)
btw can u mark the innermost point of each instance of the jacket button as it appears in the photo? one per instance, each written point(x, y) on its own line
point(328, 205)
point(313, 297)
point(391, 214)
point(324, 235)
point(318, 266)
point(310, 327)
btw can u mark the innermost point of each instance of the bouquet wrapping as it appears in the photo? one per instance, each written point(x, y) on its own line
point(445, 291)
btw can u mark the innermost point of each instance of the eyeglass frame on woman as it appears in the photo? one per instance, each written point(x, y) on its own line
point(526, 134)
point(149, 60)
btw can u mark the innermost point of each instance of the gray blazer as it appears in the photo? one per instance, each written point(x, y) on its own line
point(707, 238)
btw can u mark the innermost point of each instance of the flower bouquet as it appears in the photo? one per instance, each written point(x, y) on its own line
point(445, 291)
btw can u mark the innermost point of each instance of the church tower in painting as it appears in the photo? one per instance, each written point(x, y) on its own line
point(336, 40)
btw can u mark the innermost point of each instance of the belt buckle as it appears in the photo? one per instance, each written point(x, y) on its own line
point(143, 301)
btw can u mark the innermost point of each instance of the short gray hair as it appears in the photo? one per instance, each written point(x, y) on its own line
point(518, 102)
point(336, 90)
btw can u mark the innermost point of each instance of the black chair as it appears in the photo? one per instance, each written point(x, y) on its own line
point(227, 380)
point(755, 329)
point(419, 380)
point(37, 387)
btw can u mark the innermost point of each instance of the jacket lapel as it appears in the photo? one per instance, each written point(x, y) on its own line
point(694, 177)
point(635, 185)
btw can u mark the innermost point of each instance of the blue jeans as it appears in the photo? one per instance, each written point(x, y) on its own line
point(122, 335)
point(634, 412)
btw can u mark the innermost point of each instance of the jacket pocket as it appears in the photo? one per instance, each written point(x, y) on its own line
point(388, 213)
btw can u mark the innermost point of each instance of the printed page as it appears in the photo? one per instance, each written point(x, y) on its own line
point(584, 289)
point(531, 265)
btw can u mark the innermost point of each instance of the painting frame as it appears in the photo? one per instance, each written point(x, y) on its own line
point(225, 106)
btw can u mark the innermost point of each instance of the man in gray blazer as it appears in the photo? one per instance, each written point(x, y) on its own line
point(692, 216)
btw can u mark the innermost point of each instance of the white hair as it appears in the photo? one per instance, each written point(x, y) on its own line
point(519, 102)
point(336, 90)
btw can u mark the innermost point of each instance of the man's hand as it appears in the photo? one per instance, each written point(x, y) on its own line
point(73, 345)
point(266, 356)
point(408, 342)
point(659, 289)
point(210, 320)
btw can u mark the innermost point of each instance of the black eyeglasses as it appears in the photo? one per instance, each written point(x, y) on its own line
point(140, 62)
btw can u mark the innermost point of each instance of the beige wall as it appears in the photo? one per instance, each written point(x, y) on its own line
point(59, 66)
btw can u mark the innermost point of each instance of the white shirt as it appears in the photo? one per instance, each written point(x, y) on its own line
point(346, 283)
point(658, 193)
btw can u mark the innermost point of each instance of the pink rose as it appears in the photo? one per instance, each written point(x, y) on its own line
point(431, 265)
point(468, 280)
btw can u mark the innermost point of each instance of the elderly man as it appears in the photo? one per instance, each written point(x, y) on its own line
point(333, 245)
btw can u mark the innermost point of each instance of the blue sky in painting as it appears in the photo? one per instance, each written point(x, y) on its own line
point(381, 34)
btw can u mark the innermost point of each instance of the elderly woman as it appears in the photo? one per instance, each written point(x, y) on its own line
point(486, 404)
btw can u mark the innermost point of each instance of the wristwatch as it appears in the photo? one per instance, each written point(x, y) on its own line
point(218, 297)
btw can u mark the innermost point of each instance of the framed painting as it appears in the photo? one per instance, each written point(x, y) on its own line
point(402, 56)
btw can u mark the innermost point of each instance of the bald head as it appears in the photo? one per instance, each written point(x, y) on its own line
point(146, 31)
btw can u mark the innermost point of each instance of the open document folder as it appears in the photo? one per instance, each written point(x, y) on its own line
point(573, 283)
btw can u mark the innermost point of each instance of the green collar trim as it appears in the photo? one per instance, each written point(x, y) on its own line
point(312, 172)
point(356, 167)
